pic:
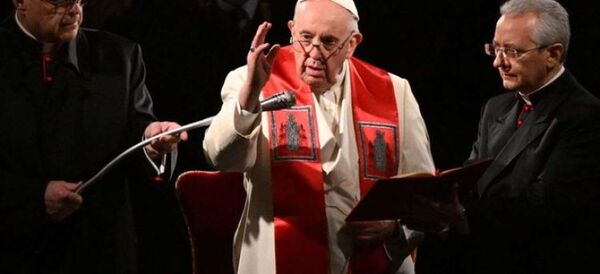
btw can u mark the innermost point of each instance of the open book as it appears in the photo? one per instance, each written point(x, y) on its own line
point(392, 198)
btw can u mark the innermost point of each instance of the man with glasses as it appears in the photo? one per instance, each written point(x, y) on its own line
point(536, 209)
point(307, 167)
point(70, 100)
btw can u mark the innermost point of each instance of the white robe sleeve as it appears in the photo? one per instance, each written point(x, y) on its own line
point(230, 143)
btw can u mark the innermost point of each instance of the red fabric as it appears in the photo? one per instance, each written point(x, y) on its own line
point(46, 59)
point(525, 109)
point(298, 196)
point(212, 203)
point(375, 113)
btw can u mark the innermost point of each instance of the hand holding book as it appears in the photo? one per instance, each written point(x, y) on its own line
point(438, 216)
point(419, 196)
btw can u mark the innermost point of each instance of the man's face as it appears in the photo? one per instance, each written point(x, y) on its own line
point(323, 39)
point(49, 23)
point(530, 69)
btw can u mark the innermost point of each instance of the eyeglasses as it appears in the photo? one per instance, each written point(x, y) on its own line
point(65, 3)
point(511, 53)
point(328, 47)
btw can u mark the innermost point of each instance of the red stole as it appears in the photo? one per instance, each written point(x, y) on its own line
point(297, 179)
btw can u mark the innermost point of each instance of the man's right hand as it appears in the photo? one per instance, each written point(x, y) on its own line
point(61, 200)
point(260, 62)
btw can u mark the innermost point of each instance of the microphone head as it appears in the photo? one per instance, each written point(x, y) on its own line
point(289, 98)
point(281, 100)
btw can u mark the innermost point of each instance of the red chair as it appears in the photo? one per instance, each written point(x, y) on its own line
point(212, 203)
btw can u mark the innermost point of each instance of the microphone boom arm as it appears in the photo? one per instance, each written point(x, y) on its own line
point(281, 100)
point(202, 123)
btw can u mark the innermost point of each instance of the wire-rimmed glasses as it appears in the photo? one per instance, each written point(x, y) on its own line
point(505, 52)
point(328, 47)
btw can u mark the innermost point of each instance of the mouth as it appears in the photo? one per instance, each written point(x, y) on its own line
point(69, 25)
point(314, 68)
point(507, 76)
point(314, 71)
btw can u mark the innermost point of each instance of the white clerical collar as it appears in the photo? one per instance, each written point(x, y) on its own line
point(526, 96)
point(23, 29)
point(45, 46)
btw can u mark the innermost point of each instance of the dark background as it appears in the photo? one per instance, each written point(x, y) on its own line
point(189, 46)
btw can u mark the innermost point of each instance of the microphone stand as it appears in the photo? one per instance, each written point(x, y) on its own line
point(198, 124)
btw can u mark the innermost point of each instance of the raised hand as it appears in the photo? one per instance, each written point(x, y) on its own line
point(259, 68)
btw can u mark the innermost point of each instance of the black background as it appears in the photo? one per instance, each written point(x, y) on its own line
point(436, 45)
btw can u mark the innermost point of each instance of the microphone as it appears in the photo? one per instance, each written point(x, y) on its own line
point(281, 100)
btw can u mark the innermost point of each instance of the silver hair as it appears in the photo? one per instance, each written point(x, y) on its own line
point(552, 26)
point(353, 24)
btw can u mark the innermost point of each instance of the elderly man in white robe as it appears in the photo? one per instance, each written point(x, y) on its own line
point(306, 167)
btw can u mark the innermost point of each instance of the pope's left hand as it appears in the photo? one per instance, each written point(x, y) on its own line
point(163, 144)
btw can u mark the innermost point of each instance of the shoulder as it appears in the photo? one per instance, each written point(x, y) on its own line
point(580, 105)
point(500, 102)
point(579, 94)
point(238, 74)
point(498, 106)
point(105, 37)
point(400, 81)
point(369, 71)
point(363, 66)
point(574, 103)
point(500, 99)
point(234, 81)
point(103, 40)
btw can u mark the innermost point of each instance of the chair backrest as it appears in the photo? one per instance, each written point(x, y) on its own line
point(212, 203)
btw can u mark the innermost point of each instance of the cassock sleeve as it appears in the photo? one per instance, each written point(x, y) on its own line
point(229, 144)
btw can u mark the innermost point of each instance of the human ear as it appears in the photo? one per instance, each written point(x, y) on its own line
point(353, 44)
point(18, 4)
point(555, 55)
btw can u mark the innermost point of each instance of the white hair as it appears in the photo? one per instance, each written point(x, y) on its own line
point(552, 26)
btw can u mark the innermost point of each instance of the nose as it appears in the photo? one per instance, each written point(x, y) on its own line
point(315, 51)
point(499, 60)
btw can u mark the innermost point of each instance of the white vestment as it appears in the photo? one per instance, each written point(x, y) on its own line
point(239, 141)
